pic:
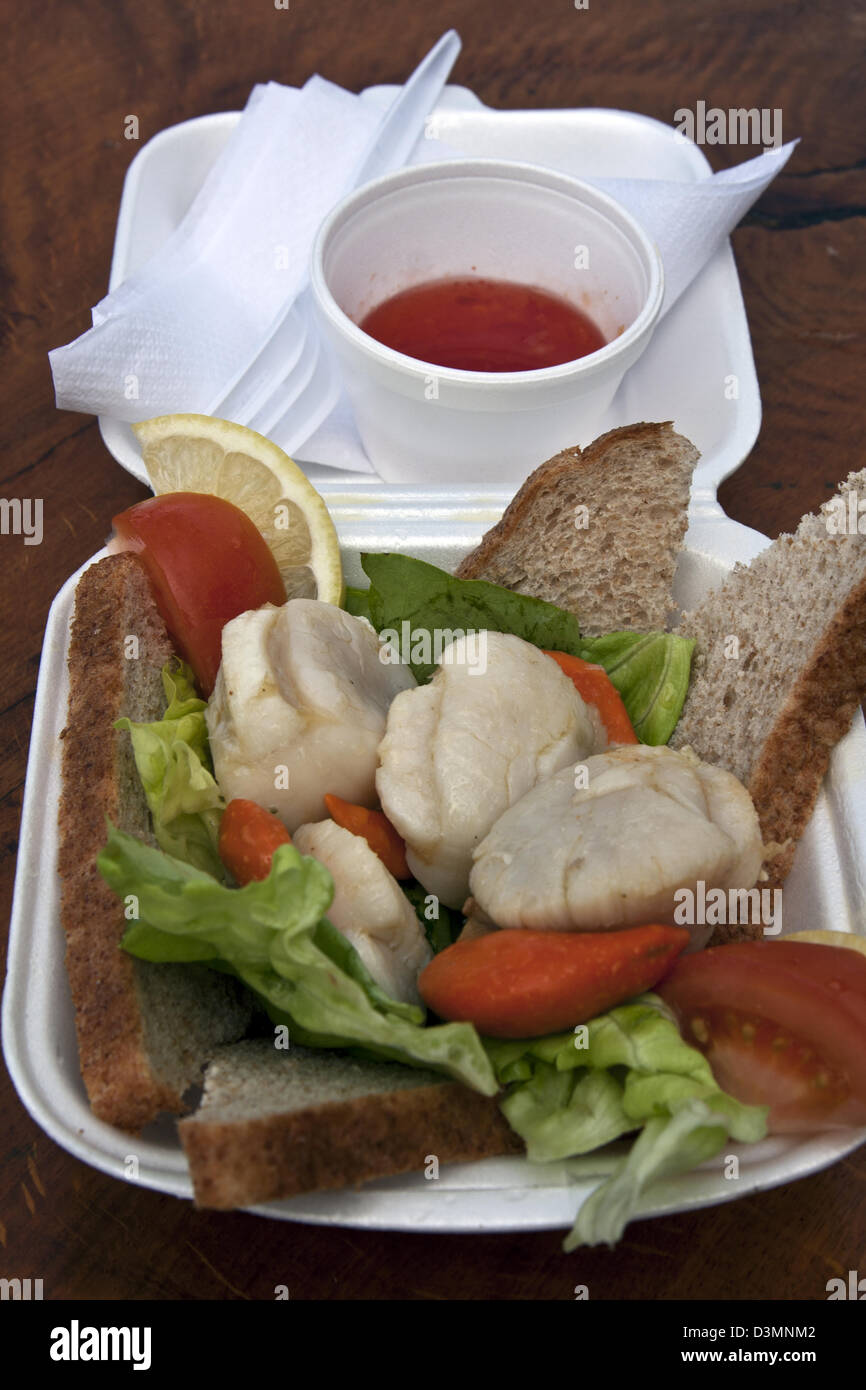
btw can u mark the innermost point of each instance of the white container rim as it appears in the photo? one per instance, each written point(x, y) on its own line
point(515, 171)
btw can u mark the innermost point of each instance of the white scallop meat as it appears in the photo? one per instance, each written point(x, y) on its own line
point(613, 852)
point(462, 749)
point(369, 908)
point(299, 708)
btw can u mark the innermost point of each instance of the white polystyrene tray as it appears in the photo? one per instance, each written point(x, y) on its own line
point(683, 376)
point(826, 887)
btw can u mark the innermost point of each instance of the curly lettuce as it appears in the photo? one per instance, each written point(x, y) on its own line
point(627, 1070)
point(172, 756)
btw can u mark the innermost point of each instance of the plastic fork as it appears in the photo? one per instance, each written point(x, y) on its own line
point(310, 409)
point(294, 382)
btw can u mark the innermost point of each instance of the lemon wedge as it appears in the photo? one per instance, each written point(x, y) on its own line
point(197, 453)
point(821, 936)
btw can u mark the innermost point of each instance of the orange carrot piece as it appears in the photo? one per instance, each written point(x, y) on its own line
point(595, 686)
point(375, 828)
point(248, 837)
point(523, 984)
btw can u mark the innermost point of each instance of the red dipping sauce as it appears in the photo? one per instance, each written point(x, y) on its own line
point(483, 326)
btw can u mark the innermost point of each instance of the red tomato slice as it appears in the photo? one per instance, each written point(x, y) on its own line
point(782, 1024)
point(207, 563)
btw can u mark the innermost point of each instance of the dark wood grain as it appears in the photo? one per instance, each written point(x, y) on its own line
point(73, 72)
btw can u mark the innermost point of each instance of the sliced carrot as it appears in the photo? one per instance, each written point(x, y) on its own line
point(523, 984)
point(248, 837)
point(375, 828)
point(595, 686)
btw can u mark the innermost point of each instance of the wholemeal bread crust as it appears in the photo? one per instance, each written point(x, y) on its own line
point(477, 564)
point(113, 603)
point(341, 1144)
point(786, 779)
point(145, 1030)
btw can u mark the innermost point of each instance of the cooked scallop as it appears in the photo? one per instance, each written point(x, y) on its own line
point(299, 708)
point(461, 750)
point(613, 852)
point(369, 908)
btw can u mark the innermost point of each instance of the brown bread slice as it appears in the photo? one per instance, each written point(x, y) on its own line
point(275, 1124)
point(616, 571)
point(144, 1030)
point(773, 713)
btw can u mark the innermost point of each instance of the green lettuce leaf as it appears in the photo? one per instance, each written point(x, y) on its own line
point(173, 761)
point(651, 672)
point(441, 929)
point(149, 943)
point(668, 1145)
point(357, 602)
point(430, 600)
point(274, 935)
point(561, 1113)
point(627, 1070)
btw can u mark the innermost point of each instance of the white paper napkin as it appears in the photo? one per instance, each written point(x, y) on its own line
point(178, 333)
point(175, 335)
point(690, 221)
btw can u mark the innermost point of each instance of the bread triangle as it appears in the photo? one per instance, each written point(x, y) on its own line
point(275, 1124)
point(597, 531)
point(780, 665)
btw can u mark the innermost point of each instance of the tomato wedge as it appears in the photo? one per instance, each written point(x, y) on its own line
point(782, 1024)
point(522, 984)
point(595, 686)
point(207, 562)
point(248, 837)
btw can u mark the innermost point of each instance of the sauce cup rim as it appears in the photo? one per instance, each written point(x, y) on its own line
point(514, 170)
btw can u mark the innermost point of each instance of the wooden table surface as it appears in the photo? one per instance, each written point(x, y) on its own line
point(74, 71)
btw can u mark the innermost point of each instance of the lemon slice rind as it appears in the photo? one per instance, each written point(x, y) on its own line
point(823, 936)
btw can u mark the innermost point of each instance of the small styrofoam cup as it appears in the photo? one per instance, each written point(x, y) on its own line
point(499, 220)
